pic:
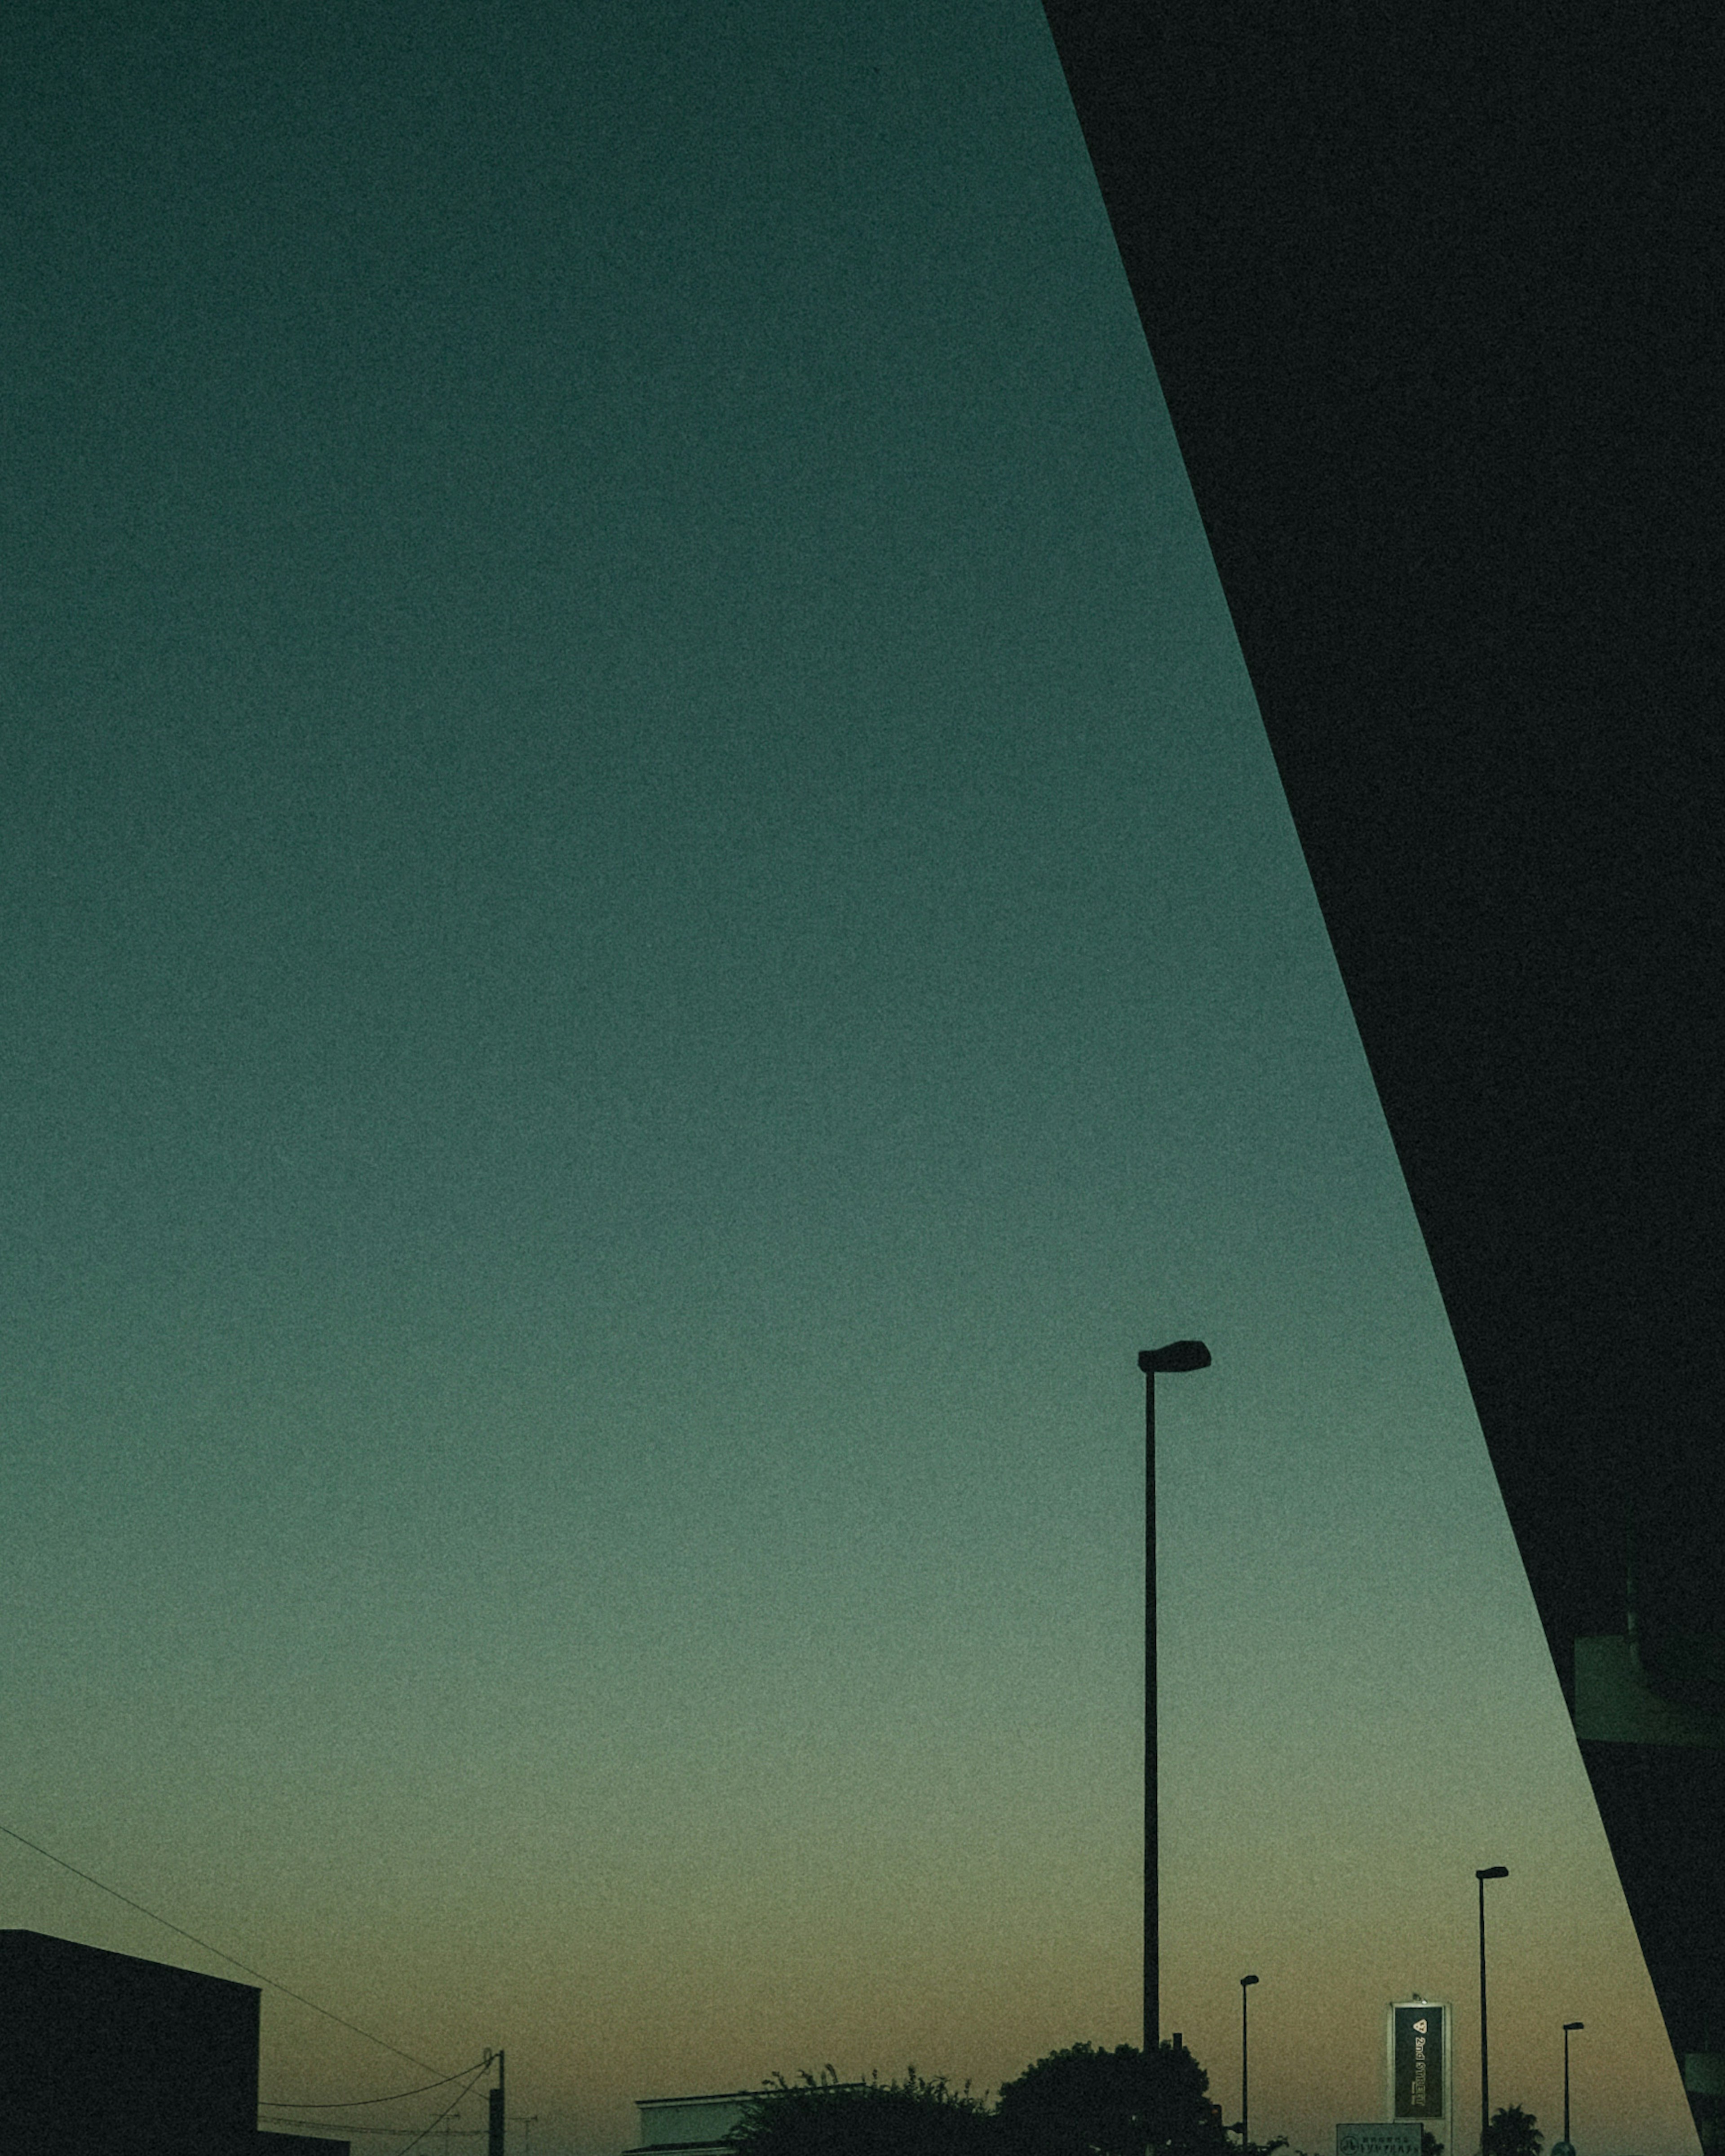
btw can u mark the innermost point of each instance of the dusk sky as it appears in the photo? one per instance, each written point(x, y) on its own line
point(649, 931)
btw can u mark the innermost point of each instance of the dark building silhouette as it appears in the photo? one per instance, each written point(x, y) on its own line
point(692, 2125)
point(1435, 297)
point(104, 2054)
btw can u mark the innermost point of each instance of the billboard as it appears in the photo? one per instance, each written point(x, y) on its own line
point(1420, 2038)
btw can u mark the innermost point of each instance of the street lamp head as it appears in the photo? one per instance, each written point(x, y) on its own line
point(1575, 2024)
point(1178, 1355)
point(1493, 1871)
point(1245, 1980)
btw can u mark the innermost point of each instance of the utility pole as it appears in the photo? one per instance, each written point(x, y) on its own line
point(1491, 1871)
point(1178, 1355)
point(1568, 2144)
point(1245, 2140)
point(493, 2139)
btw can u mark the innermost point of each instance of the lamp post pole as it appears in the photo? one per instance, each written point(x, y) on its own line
point(1245, 2133)
point(1178, 1355)
point(1567, 2027)
point(1491, 1872)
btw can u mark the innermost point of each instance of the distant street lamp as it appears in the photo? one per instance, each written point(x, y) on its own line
point(1178, 1355)
point(1245, 2138)
point(1567, 2027)
point(1491, 1872)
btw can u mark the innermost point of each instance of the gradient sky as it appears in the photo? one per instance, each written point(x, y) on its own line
point(649, 931)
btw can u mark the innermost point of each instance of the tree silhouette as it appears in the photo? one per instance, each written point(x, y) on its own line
point(830, 2117)
point(1081, 2102)
point(1512, 2132)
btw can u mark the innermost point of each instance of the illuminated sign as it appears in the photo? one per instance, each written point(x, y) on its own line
point(1420, 2035)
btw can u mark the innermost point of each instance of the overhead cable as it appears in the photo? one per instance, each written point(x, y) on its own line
point(447, 2109)
point(232, 1960)
point(283, 2103)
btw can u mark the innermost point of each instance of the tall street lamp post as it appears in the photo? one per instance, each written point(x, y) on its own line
point(1246, 2133)
point(1567, 2027)
point(1491, 1872)
point(1178, 1355)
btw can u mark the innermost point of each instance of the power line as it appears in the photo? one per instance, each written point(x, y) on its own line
point(232, 1960)
point(448, 2108)
point(322, 2125)
point(353, 2103)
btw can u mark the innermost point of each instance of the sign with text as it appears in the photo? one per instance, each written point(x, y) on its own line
point(1420, 2060)
point(1380, 2138)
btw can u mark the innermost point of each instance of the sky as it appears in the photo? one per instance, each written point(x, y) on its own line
point(650, 931)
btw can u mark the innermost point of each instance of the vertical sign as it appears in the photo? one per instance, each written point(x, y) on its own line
point(1419, 2063)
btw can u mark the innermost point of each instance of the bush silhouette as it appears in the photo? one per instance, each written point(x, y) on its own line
point(1078, 2102)
point(1512, 2133)
point(1081, 2102)
point(830, 2117)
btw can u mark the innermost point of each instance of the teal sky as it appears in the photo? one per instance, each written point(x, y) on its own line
point(649, 931)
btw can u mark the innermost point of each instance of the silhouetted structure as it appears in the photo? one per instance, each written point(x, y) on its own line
point(693, 2125)
point(104, 2055)
point(1435, 299)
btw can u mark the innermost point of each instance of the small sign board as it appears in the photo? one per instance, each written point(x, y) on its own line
point(1379, 2136)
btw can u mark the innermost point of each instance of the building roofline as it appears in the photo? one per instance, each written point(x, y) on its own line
point(716, 2096)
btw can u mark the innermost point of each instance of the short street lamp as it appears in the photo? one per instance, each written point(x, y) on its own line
point(1567, 2027)
point(1245, 2137)
point(1178, 1355)
point(1491, 1872)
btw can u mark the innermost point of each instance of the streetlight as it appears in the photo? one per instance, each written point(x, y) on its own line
point(1178, 1355)
point(1246, 2139)
point(1567, 2027)
point(1491, 1872)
